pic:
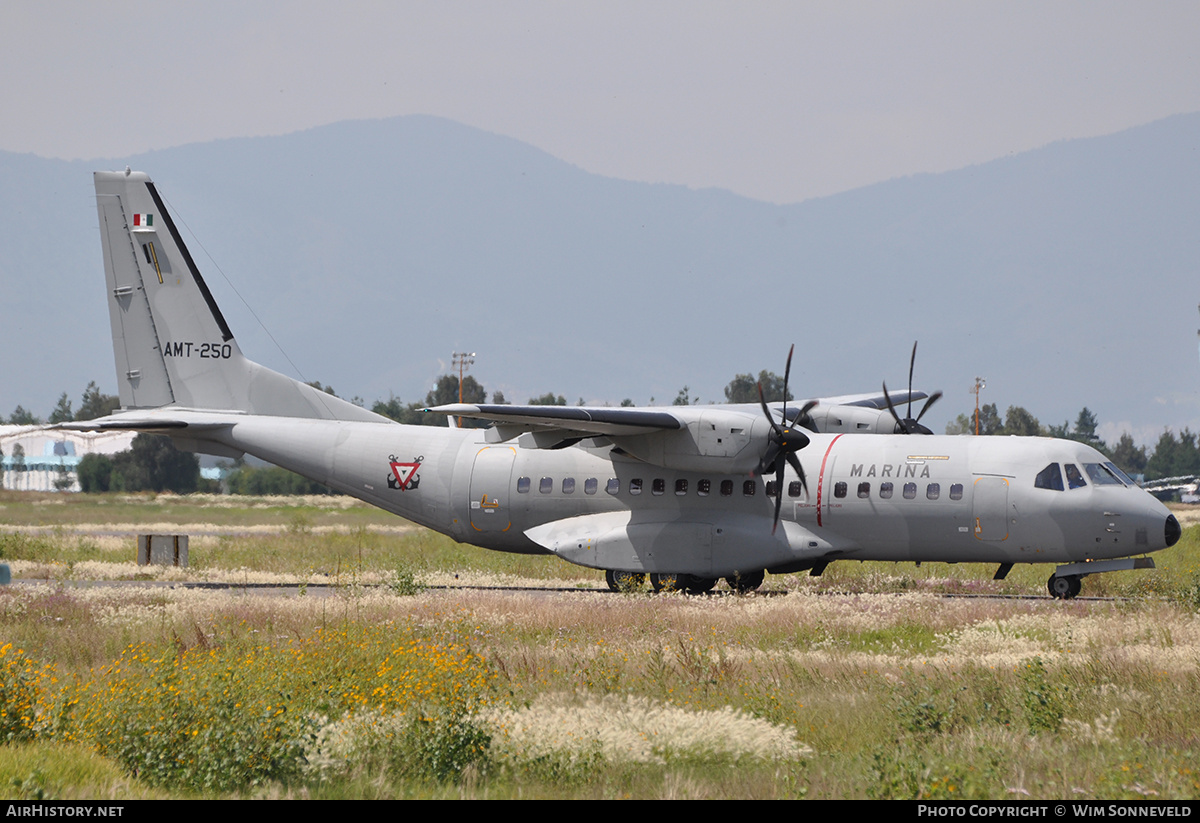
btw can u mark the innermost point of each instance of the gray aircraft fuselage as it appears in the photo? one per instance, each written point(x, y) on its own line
point(670, 491)
point(952, 498)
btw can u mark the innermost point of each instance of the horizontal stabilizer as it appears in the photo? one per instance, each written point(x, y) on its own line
point(169, 421)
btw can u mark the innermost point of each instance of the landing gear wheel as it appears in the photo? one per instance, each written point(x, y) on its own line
point(665, 582)
point(745, 582)
point(696, 585)
point(1064, 588)
point(625, 581)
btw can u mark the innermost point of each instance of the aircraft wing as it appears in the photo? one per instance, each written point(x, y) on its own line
point(593, 421)
point(652, 433)
point(566, 422)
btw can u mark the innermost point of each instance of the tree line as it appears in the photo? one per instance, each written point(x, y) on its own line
point(1175, 455)
point(742, 389)
point(153, 463)
point(94, 403)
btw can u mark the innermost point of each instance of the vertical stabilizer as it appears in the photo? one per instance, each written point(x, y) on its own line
point(171, 343)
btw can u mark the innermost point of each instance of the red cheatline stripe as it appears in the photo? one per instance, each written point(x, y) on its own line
point(821, 477)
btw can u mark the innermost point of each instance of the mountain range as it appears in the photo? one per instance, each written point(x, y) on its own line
point(369, 251)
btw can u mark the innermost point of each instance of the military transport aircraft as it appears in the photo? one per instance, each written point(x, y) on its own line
point(686, 494)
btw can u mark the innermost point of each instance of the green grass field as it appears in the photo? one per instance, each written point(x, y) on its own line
point(864, 683)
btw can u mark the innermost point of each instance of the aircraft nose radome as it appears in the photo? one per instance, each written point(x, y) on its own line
point(1173, 531)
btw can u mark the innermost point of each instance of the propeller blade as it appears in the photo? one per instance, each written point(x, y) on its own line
point(787, 372)
point(778, 493)
point(909, 425)
point(899, 423)
point(795, 464)
point(912, 362)
point(786, 438)
point(770, 419)
point(933, 398)
point(768, 460)
point(805, 419)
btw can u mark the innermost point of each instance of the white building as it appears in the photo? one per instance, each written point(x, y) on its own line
point(51, 456)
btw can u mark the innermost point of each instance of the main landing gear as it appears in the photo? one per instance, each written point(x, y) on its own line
point(1065, 587)
point(625, 581)
point(689, 583)
point(746, 582)
point(742, 583)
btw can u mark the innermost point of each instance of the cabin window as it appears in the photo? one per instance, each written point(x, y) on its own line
point(839, 489)
point(1049, 478)
point(956, 491)
point(933, 491)
point(772, 488)
point(546, 485)
point(703, 487)
point(726, 488)
point(635, 485)
point(658, 486)
point(910, 491)
point(885, 491)
point(795, 488)
point(568, 485)
point(864, 489)
point(590, 485)
point(681, 487)
point(613, 486)
point(1074, 478)
point(749, 488)
point(522, 485)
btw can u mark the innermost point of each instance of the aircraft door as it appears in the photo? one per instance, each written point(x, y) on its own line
point(491, 478)
point(990, 508)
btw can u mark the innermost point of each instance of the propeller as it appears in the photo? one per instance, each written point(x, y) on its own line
point(786, 438)
point(908, 425)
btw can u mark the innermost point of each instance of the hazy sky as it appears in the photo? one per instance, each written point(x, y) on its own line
point(775, 100)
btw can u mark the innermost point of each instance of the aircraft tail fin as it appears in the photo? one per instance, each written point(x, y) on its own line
point(171, 342)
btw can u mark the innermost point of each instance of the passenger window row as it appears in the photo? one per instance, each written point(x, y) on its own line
point(749, 488)
point(909, 491)
point(658, 486)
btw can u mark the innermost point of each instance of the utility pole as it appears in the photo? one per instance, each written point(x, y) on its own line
point(980, 384)
point(463, 360)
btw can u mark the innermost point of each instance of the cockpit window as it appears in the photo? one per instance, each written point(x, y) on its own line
point(1101, 475)
point(1049, 478)
point(1126, 479)
point(1074, 478)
